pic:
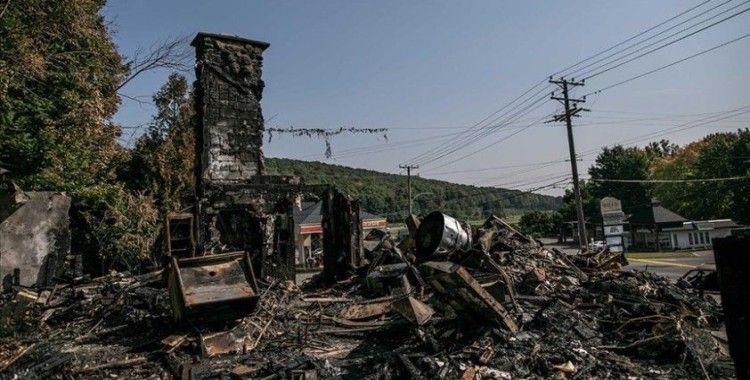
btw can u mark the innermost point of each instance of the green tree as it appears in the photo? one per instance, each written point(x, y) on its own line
point(619, 162)
point(540, 223)
point(590, 203)
point(59, 74)
point(162, 160)
point(715, 156)
point(661, 149)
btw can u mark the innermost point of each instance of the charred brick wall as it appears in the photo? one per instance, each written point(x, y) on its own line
point(229, 89)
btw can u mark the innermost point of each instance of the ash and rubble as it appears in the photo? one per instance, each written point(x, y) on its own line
point(504, 308)
point(445, 302)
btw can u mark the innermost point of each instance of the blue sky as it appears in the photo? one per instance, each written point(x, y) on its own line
point(430, 69)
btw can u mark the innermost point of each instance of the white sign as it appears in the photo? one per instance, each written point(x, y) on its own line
point(615, 248)
point(614, 241)
point(613, 230)
point(609, 204)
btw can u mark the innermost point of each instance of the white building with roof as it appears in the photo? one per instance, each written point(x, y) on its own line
point(700, 233)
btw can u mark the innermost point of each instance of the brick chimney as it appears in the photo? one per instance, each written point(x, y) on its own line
point(228, 93)
point(237, 206)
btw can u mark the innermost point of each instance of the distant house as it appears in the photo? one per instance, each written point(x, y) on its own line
point(654, 227)
point(309, 229)
point(700, 234)
point(647, 225)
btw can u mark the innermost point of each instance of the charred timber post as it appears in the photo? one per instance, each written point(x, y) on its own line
point(342, 236)
point(567, 116)
point(732, 266)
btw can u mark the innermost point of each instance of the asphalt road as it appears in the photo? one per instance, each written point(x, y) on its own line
point(673, 267)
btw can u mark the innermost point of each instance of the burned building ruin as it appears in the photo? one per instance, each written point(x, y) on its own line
point(238, 207)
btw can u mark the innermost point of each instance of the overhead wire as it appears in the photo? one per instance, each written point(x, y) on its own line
point(633, 37)
point(714, 117)
point(482, 131)
point(479, 124)
point(580, 71)
point(516, 192)
point(669, 65)
point(421, 159)
point(504, 138)
point(689, 180)
point(604, 70)
point(489, 168)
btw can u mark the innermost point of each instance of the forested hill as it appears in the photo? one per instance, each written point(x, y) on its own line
point(385, 194)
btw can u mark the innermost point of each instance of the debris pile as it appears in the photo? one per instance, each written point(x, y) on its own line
point(496, 305)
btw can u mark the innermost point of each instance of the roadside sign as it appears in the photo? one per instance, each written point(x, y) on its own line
point(613, 230)
point(612, 222)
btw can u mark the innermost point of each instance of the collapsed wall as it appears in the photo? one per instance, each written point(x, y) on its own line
point(35, 239)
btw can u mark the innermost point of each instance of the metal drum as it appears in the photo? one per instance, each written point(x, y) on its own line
point(441, 235)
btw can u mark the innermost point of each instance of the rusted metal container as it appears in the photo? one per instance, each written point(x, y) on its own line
point(214, 287)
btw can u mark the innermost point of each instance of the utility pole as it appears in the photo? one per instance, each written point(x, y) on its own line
point(567, 116)
point(408, 181)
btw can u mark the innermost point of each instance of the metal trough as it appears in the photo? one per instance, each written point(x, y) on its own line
point(214, 287)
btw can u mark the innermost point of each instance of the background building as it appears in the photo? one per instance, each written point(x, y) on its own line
point(309, 230)
point(700, 234)
point(654, 227)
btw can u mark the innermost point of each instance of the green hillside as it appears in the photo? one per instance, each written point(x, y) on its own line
point(385, 194)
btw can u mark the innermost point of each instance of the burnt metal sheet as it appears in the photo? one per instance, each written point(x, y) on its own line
point(222, 342)
point(212, 287)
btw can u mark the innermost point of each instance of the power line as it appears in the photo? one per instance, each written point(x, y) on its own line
point(577, 71)
point(493, 143)
point(669, 65)
point(715, 116)
point(520, 192)
point(473, 128)
point(667, 180)
point(474, 134)
point(490, 168)
point(531, 181)
point(458, 145)
point(703, 121)
point(631, 38)
point(518, 172)
point(665, 45)
point(431, 158)
point(483, 131)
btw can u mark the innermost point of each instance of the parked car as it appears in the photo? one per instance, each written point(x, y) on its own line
point(597, 245)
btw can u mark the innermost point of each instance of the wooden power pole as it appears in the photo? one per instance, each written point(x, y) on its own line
point(567, 116)
point(408, 181)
